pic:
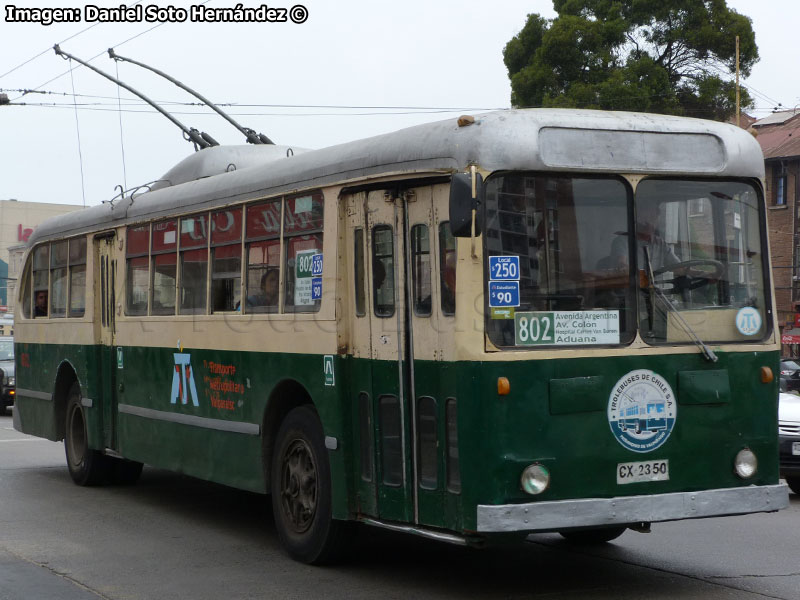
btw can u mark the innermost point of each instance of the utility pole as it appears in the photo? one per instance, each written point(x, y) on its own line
point(737, 81)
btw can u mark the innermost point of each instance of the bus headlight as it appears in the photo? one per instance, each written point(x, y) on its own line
point(746, 463)
point(535, 479)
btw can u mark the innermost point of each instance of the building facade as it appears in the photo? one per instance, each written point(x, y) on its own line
point(779, 137)
point(17, 222)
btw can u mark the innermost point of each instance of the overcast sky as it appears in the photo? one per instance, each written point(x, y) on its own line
point(289, 81)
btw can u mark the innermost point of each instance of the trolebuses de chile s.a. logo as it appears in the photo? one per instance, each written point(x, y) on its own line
point(641, 410)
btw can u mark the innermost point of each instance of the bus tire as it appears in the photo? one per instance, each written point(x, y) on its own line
point(600, 535)
point(86, 466)
point(794, 484)
point(301, 491)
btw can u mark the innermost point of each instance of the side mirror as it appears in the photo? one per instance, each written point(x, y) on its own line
point(462, 203)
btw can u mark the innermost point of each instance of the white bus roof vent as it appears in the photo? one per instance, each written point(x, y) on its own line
point(222, 159)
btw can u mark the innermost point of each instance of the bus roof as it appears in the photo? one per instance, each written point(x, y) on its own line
point(562, 140)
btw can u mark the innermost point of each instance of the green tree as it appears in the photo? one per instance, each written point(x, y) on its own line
point(662, 56)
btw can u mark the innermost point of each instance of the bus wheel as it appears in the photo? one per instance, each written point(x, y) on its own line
point(593, 536)
point(86, 466)
point(794, 484)
point(301, 491)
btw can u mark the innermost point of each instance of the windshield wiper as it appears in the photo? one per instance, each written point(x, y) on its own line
point(658, 293)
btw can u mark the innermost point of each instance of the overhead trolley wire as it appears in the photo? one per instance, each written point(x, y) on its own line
point(50, 48)
point(156, 26)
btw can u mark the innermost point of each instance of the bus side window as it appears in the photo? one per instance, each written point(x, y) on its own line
point(77, 277)
point(25, 300)
point(447, 268)
point(421, 270)
point(391, 440)
point(382, 271)
point(263, 247)
point(359, 272)
point(164, 261)
point(226, 259)
point(302, 230)
point(41, 280)
point(59, 258)
point(193, 265)
point(137, 247)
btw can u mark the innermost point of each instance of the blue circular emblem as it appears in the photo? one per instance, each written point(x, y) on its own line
point(641, 410)
point(748, 321)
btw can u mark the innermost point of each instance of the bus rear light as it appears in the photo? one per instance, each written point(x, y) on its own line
point(746, 463)
point(766, 375)
point(503, 386)
point(535, 479)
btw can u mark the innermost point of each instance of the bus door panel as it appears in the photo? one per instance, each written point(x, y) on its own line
point(425, 358)
point(444, 261)
point(390, 401)
point(105, 273)
point(357, 299)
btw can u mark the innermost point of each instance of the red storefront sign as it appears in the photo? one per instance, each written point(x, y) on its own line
point(790, 339)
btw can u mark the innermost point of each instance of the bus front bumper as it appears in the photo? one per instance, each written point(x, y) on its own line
point(625, 510)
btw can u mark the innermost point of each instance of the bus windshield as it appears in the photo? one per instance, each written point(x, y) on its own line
point(706, 262)
point(698, 269)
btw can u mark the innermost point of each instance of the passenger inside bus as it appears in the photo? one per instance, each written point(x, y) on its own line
point(40, 310)
point(268, 294)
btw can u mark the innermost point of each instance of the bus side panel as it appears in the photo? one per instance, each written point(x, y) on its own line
point(443, 381)
point(200, 412)
point(38, 366)
point(359, 460)
point(336, 414)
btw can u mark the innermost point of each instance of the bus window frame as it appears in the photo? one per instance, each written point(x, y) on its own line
point(63, 267)
point(286, 240)
point(632, 335)
point(80, 261)
point(420, 308)
point(212, 257)
point(137, 255)
point(198, 249)
point(154, 254)
point(269, 238)
point(375, 258)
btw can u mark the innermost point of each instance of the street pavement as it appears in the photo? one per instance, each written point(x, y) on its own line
point(174, 537)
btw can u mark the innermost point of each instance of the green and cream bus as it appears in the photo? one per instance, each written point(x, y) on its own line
point(472, 330)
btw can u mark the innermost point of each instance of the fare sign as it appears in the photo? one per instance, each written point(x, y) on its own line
point(504, 268)
point(503, 293)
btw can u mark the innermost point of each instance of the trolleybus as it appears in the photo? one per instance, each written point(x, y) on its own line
point(442, 330)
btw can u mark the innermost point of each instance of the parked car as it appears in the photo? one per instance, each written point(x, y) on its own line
point(790, 375)
point(789, 434)
point(7, 378)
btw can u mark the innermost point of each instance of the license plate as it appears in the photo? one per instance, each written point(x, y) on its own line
point(649, 470)
point(796, 448)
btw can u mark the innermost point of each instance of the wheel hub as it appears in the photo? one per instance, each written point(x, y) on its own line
point(299, 485)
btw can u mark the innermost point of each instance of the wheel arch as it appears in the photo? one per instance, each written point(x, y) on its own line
point(287, 395)
point(65, 376)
